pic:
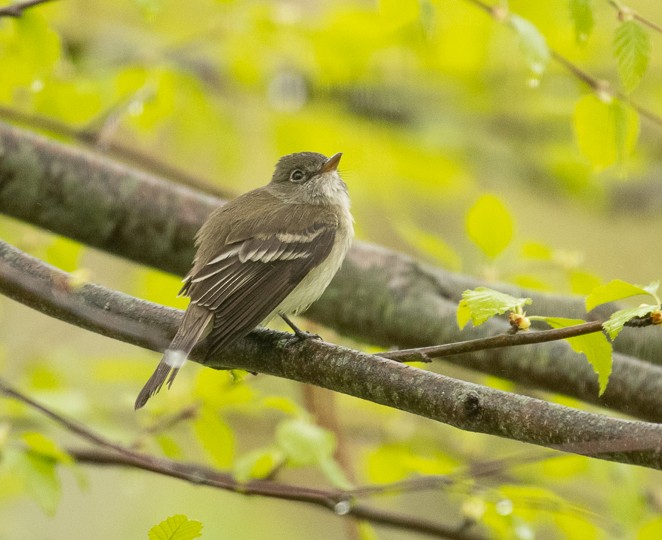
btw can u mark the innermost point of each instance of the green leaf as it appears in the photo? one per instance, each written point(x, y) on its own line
point(29, 51)
point(632, 50)
point(582, 282)
point(581, 12)
point(532, 43)
point(64, 253)
point(595, 347)
point(615, 323)
point(618, 289)
point(399, 12)
point(304, 443)
point(38, 443)
point(606, 132)
point(41, 480)
point(489, 225)
point(651, 529)
point(177, 527)
point(215, 436)
point(334, 473)
point(537, 251)
point(258, 463)
point(482, 303)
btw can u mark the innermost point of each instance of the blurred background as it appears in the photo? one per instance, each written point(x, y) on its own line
point(437, 106)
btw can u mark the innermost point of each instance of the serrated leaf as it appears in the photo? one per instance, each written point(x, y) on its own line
point(532, 43)
point(632, 50)
point(304, 443)
point(581, 12)
point(177, 527)
point(617, 289)
point(489, 225)
point(258, 463)
point(617, 320)
point(595, 347)
point(482, 303)
point(463, 314)
point(606, 132)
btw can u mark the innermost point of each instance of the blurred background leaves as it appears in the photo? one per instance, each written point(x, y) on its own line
point(465, 143)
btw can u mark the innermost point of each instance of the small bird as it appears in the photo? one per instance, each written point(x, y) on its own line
point(269, 252)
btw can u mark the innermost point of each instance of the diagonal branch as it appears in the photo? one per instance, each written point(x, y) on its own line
point(16, 10)
point(499, 13)
point(112, 453)
point(464, 405)
point(379, 296)
point(337, 501)
point(120, 150)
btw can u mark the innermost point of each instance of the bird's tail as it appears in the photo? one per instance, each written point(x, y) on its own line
point(194, 325)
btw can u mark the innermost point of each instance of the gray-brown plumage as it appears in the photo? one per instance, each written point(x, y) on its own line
point(269, 252)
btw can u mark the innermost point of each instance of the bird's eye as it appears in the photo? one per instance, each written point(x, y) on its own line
point(297, 175)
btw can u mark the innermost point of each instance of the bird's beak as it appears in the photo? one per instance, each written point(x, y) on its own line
point(332, 163)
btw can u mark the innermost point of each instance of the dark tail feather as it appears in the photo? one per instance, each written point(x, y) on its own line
point(153, 384)
point(193, 326)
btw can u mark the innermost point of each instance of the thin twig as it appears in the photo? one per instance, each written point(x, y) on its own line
point(598, 85)
point(494, 342)
point(624, 11)
point(337, 501)
point(16, 10)
point(330, 499)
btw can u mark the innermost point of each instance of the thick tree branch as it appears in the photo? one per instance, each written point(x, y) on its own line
point(378, 296)
point(464, 405)
point(85, 196)
point(120, 150)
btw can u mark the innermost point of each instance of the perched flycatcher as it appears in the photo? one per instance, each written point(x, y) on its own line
point(269, 252)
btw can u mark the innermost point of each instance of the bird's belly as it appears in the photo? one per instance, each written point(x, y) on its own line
point(315, 283)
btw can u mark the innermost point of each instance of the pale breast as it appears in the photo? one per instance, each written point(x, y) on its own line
point(315, 283)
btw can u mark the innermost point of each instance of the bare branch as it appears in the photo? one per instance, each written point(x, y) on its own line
point(339, 502)
point(504, 340)
point(331, 499)
point(624, 11)
point(378, 296)
point(463, 405)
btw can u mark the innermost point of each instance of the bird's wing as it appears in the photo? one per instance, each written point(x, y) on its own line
point(249, 278)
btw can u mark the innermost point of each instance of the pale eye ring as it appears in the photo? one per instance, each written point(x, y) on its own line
point(297, 175)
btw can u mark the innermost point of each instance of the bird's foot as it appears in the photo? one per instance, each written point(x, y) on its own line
point(301, 335)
